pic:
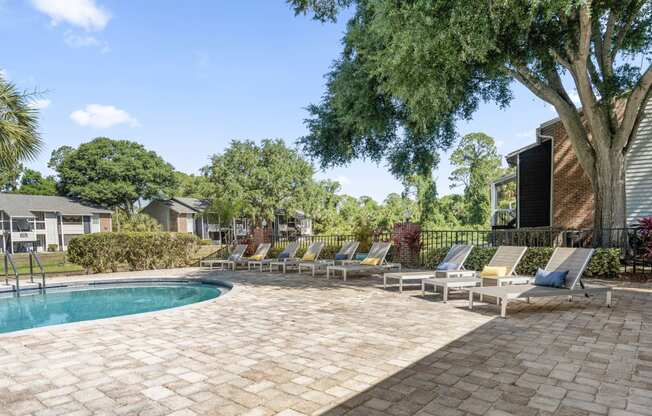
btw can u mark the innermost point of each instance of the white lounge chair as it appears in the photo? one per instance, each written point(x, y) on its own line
point(506, 256)
point(259, 254)
point(288, 253)
point(375, 261)
point(229, 262)
point(457, 255)
point(343, 256)
point(311, 256)
point(573, 260)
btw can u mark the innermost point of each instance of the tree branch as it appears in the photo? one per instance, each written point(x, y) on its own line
point(635, 105)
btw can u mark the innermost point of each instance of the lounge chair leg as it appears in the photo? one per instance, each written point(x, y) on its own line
point(423, 288)
point(503, 308)
point(609, 298)
point(570, 298)
point(384, 281)
point(327, 273)
point(528, 299)
point(445, 294)
point(400, 285)
point(481, 284)
point(344, 275)
point(470, 299)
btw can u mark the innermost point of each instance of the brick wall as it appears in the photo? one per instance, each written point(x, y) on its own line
point(572, 196)
point(406, 250)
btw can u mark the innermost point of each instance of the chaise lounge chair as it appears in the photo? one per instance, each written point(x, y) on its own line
point(504, 262)
point(288, 253)
point(344, 255)
point(375, 261)
point(259, 254)
point(573, 260)
point(311, 256)
point(451, 266)
point(229, 262)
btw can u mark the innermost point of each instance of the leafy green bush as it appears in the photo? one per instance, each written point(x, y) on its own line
point(605, 262)
point(102, 252)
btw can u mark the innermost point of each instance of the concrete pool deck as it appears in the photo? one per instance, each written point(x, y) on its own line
point(291, 345)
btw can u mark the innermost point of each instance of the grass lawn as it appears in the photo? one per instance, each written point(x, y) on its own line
point(52, 263)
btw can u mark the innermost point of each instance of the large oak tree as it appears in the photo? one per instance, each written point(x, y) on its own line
point(410, 69)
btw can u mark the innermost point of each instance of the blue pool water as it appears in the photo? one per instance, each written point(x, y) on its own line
point(84, 303)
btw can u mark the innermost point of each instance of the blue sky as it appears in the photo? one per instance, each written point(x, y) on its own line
point(185, 81)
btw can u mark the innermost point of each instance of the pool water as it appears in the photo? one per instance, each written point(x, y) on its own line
point(88, 302)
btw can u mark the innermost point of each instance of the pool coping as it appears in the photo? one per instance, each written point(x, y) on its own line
point(140, 279)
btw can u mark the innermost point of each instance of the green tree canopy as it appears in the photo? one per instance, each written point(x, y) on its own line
point(194, 186)
point(259, 179)
point(114, 173)
point(33, 183)
point(19, 137)
point(410, 69)
point(476, 164)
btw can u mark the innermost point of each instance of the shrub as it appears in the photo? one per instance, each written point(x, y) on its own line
point(102, 252)
point(605, 261)
point(53, 247)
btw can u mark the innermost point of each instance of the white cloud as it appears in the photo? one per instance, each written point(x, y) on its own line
point(83, 41)
point(4, 74)
point(40, 103)
point(82, 13)
point(102, 116)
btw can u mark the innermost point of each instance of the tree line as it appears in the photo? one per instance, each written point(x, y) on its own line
point(254, 180)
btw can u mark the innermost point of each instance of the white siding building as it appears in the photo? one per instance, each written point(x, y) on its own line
point(41, 223)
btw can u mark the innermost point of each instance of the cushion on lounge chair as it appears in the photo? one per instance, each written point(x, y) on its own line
point(551, 279)
point(370, 261)
point(492, 271)
point(447, 266)
point(309, 256)
point(341, 257)
point(283, 255)
point(256, 257)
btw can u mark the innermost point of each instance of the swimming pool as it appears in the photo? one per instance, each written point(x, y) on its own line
point(97, 300)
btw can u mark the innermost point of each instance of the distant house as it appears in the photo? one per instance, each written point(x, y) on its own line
point(37, 222)
point(188, 215)
point(554, 191)
point(183, 215)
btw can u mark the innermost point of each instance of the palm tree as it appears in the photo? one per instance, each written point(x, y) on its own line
point(19, 137)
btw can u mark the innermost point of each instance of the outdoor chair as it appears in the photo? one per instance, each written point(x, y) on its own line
point(259, 254)
point(229, 262)
point(375, 261)
point(572, 260)
point(451, 266)
point(288, 253)
point(311, 256)
point(504, 260)
point(344, 255)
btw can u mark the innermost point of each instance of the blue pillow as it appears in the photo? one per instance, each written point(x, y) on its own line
point(447, 266)
point(551, 279)
point(284, 255)
point(341, 257)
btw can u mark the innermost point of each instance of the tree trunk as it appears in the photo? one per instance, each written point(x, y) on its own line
point(609, 193)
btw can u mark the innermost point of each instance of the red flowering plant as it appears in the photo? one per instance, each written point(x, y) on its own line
point(644, 228)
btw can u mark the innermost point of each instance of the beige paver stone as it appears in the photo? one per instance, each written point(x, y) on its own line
point(280, 343)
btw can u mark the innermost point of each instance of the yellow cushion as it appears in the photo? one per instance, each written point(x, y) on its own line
point(490, 271)
point(309, 256)
point(256, 257)
point(371, 261)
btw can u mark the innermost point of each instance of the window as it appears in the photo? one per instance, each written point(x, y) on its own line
point(40, 220)
point(22, 225)
point(72, 219)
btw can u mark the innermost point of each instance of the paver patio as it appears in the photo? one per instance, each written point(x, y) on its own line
point(295, 345)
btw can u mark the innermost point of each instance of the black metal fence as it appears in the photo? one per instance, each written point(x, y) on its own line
point(631, 242)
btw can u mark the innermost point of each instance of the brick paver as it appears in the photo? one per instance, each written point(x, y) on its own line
point(294, 345)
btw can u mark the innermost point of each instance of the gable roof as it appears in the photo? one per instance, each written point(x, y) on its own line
point(194, 203)
point(18, 205)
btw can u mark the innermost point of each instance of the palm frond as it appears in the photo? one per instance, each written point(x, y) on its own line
point(19, 136)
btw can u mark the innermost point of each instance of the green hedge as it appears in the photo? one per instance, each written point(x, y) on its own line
point(605, 261)
point(101, 252)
